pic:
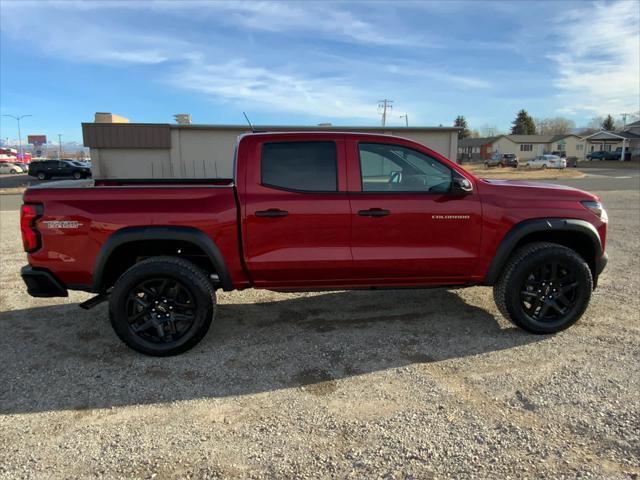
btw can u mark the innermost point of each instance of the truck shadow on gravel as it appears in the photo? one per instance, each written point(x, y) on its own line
point(64, 358)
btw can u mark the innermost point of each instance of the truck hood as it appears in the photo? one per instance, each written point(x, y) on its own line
point(533, 189)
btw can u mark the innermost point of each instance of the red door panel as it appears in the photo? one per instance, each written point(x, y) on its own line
point(410, 237)
point(423, 236)
point(295, 238)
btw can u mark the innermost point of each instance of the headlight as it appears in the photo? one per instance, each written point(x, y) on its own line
point(597, 209)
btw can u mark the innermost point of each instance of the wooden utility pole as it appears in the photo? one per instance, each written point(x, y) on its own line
point(385, 105)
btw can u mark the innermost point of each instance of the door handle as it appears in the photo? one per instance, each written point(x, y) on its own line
point(374, 212)
point(272, 212)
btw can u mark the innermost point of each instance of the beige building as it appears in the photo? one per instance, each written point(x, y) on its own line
point(141, 150)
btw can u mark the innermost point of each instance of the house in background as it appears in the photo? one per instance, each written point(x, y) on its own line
point(633, 128)
point(610, 141)
point(470, 149)
point(526, 147)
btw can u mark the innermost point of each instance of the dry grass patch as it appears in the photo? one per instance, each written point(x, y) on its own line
point(522, 173)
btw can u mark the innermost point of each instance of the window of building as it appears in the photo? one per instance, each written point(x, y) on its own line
point(305, 166)
point(607, 147)
point(526, 148)
point(562, 147)
point(393, 168)
point(580, 147)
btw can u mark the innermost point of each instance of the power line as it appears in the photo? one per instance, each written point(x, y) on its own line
point(624, 119)
point(385, 105)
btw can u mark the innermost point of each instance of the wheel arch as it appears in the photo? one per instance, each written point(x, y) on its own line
point(579, 235)
point(154, 239)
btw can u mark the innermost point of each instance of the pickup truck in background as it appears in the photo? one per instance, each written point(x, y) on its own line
point(311, 211)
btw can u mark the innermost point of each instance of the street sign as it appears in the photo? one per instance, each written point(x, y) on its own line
point(37, 139)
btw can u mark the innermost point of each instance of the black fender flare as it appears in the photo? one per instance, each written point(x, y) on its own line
point(136, 234)
point(527, 227)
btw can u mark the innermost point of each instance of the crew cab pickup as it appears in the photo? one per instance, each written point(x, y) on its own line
point(310, 211)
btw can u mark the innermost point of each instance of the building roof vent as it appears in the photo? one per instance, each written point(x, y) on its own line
point(183, 118)
point(107, 117)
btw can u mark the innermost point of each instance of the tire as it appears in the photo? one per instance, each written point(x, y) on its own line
point(41, 176)
point(13, 171)
point(486, 164)
point(501, 165)
point(519, 299)
point(544, 166)
point(77, 175)
point(146, 292)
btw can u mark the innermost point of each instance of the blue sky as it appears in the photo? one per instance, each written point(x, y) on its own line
point(305, 62)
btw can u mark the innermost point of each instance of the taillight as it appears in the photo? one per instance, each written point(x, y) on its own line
point(29, 213)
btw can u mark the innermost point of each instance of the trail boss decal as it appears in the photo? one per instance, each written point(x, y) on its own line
point(62, 224)
point(450, 217)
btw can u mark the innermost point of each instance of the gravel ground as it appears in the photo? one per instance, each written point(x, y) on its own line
point(390, 384)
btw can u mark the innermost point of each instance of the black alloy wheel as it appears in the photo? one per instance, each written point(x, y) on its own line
point(549, 292)
point(160, 309)
point(544, 288)
point(162, 306)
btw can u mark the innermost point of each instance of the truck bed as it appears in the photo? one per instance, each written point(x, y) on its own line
point(95, 209)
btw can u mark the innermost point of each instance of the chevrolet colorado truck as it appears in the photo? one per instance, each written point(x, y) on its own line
point(311, 211)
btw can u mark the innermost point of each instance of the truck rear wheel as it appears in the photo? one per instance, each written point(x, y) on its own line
point(162, 306)
point(544, 288)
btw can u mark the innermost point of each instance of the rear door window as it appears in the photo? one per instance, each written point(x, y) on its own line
point(300, 166)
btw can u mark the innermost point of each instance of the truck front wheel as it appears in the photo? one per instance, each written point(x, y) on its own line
point(162, 306)
point(544, 288)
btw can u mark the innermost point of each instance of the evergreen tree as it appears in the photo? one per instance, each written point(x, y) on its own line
point(523, 124)
point(462, 123)
point(608, 123)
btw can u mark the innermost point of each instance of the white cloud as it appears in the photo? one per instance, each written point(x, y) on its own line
point(74, 36)
point(256, 88)
point(441, 75)
point(598, 62)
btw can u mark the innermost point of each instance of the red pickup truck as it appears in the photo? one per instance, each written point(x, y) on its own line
point(310, 211)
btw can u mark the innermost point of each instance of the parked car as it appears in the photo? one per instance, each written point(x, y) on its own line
point(599, 155)
point(547, 161)
point(12, 168)
point(23, 166)
point(157, 250)
point(58, 168)
point(502, 160)
point(615, 155)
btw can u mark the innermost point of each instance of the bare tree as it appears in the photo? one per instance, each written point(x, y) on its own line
point(489, 131)
point(554, 126)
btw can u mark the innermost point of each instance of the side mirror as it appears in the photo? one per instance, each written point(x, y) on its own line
point(460, 185)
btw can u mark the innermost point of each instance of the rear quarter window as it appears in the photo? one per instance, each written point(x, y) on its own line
point(300, 166)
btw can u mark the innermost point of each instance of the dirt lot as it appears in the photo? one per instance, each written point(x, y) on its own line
point(390, 384)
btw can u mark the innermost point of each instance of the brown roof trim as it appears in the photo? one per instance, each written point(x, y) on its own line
point(126, 135)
